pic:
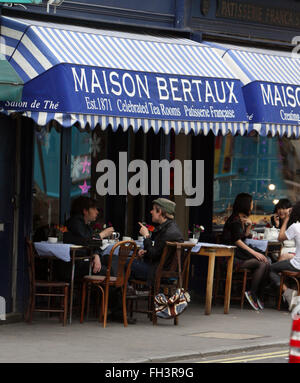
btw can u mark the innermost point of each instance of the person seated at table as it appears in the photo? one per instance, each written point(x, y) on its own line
point(280, 212)
point(163, 214)
point(83, 212)
point(289, 230)
point(236, 229)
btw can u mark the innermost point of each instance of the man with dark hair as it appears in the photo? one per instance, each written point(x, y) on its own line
point(83, 212)
point(163, 213)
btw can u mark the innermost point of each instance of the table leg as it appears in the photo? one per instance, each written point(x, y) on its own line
point(228, 284)
point(209, 283)
point(89, 290)
point(72, 286)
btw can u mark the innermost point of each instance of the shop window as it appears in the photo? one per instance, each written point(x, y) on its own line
point(267, 168)
point(81, 161)
point(46, 192)
point(87, 149)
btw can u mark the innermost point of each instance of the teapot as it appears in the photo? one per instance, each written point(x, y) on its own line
point(271, 234)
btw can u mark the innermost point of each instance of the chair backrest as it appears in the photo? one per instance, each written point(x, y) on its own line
point(169, 266)
point(126, 250)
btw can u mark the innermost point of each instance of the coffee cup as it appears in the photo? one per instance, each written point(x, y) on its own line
point(140, 238)
point(115, 235)
point(52, 239)
point(126, 238)
point(193, 240)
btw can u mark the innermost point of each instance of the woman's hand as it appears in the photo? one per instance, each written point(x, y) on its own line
point(106, 232)
point(260, 257)
point(246, 221)
point(96, 264)
point(276, 220)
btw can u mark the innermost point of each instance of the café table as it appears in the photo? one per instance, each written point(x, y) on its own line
point(212, 251)
point(269, 247)
point(67, 253)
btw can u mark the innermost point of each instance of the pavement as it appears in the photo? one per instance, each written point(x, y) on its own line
point(197, 335)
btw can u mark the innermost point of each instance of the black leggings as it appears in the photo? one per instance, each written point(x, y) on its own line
point(260, 274)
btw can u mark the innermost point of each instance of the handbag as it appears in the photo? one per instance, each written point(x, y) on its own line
point(168, 308)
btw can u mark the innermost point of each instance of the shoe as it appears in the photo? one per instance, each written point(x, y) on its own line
point(289, 296)
point(260, 303)
point(252, 300)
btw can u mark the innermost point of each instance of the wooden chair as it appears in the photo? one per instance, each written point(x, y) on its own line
point(42, 288)
point(125, 250)
point(283, 276)
point(166, 277)
point(240, 278)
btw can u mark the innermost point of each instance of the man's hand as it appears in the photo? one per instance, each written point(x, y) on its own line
point(106, 232)
point(141, 253)
point(144, 231)
point(96, 264)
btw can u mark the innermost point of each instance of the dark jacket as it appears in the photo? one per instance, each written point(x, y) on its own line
point(80, 233)
point(167, 231)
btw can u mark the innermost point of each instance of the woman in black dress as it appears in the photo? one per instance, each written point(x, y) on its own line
point(236, 229)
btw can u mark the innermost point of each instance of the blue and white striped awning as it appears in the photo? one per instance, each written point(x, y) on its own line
point(271, 88)
point(87, 76)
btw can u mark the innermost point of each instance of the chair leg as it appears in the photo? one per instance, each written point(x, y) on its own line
point(66, 304)
point(154, 316)
point(244, 288)
point(88, 300)
point(280, 292)
point(28, 310)
point(31, 307)
point(83, 294)
point(101, 319)
point(49, 301)
point(124, 306)
point(298, 286)
point(106, 294)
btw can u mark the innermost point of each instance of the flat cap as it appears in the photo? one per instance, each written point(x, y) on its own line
point(168, 205)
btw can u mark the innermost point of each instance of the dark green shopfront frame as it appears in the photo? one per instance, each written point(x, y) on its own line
point(11, 85)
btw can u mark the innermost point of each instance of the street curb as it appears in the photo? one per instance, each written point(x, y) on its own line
point(180, 357)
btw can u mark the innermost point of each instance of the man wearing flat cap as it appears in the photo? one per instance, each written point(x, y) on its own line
point(163, 213)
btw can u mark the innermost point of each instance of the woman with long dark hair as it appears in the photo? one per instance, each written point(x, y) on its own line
point(289, 230)
point(236, 229)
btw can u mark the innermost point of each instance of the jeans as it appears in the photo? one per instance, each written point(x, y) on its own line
point(139, 270)
point(277, 267)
